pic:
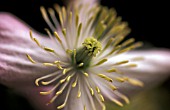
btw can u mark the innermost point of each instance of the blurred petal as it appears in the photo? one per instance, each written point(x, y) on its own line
point(152, 69)
point(16, 71)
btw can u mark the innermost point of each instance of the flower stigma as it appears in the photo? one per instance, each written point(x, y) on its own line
point(91, 47)
point(85, 40)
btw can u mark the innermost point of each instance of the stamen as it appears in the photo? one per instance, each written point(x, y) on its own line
point(130, 65)
point(121, 62)
point(66, 70)
point(34, 39)
point(75, 82)
point(137, 59)
point(77, 19)
point(57, 37)
point(52, 100)
point(66, 99)
point(118, 40)
point(101, 97)
point(30, 58)
point(97, 89)
point(44, 77)
point(50, 91)
point(126, 99)
point(64, 33)
point(68, 51)
point(78, 34)
point(51, 81)
point(79, 94)
point(58, 65)
point(69, 77)
point(45, 16)
point(101, 62)
point(120, 79)
point(108, 44)
point(105, 77)
point(62, 89)
point(53, 17)
point(61, 19)
point(63, 9)
point(86, 74)
point(113, 87)
point(117, 102)
point(79, 91)
point(129, 41)
point(31, 36)
point(48, 49)
point(111, 70)
point(48, 64)
point(136, 45)
point(135, 82)
point(84, 107)
point(81, 64)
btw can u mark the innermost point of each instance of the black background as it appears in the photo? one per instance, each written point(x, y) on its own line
point(148, 20)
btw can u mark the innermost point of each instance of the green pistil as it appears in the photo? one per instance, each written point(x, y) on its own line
point(91, 47)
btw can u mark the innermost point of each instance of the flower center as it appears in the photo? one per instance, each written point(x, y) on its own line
point(82, 58)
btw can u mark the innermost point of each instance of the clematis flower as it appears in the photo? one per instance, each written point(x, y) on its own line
point(82, 62)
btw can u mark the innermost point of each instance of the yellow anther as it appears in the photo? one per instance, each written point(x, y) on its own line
point(79, 29)
point(121, 62)
point(58, 65)
point(85, 107)
point(121, 79)
point(97, 89)
point(37, 42)
point(66, 70)
point(135, 82)
point(59, 92)
point(131, 65)
point(57, 37)
point(48, 64)
point(129, 41)
point(48, 49)
point(113, 87)
point(101, 97)
point(101, 62)
point(79, 94)
point(86, 74)
point(105, 77)
point(81, 64)
point(91, 91)
point(111, 70)
point(36, 82)
point(61, 106)
point(77, 19)
point(117, 102)
point(62, 80)
point(69, 51)
point(64, 32)
point(123, 97)
point(30, 58)
point(31, 36)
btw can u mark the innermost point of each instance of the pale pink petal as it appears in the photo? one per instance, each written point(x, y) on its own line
point(16, 71)
point(152, 70)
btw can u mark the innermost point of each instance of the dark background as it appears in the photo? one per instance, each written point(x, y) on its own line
point(148, 20)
